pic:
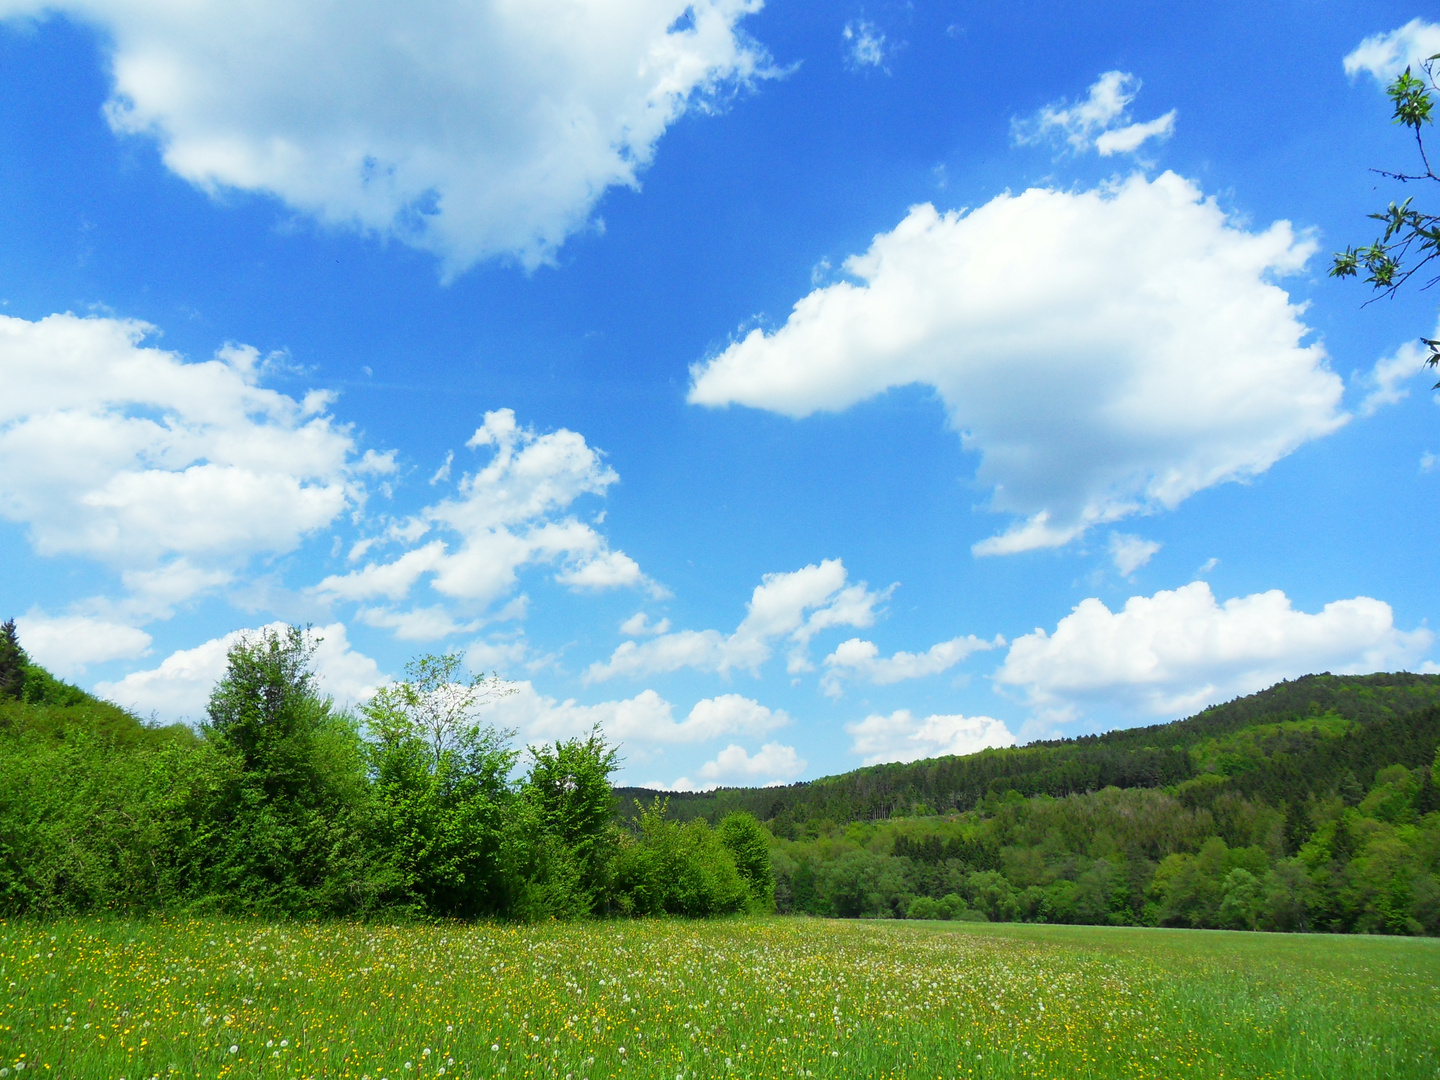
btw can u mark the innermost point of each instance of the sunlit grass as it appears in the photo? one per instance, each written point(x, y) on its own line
point(752, 998)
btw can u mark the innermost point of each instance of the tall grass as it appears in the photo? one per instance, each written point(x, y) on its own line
point(745, 998)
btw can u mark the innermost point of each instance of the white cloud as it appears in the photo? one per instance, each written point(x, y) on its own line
point(1385, 382)
point(904, 737)
point(1130, 553)
point(612, 570)
point(639, 624)
point(1180, 650)
point(415, 624)
point(496, 654)
point(1105, 352)
point(179, 689)
point(646, 719)
point(1428, 462)
point(864, 44)
point(857, 658)
point(1384, 56)
point(1101, 122)
point(508, 515)
point(773, 764)
point(175, 473)
point(795, 606)
point(466, 129)
point(67, 644)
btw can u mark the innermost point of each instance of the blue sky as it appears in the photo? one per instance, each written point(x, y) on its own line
point(784, 387)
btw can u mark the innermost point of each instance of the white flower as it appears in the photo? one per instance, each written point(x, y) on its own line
point(234, 1049)
point(284, 1042)
point(622, 1049)
point(494, 1048)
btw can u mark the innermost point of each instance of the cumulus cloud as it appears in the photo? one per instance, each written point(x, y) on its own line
point(864, 44)
point(175, 473)
point(1383, 56)
point(466, 129)
point(902, 736)
point(857, 658)
point(771, 765)
point(646, 719)
point(1101, 122)
point(1180, 650)
point(509, 514)
point(1130, 553)
point(179, 689)
point(639, 624)
point(794, 606)
point(68, 644)
point(1104, 352)
point(1384, 384)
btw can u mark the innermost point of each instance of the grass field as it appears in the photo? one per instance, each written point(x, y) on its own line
point(755, 998)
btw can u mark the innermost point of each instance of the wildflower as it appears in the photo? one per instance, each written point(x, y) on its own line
point(494, 1048)
point(284, 1042)
point(234, 1049)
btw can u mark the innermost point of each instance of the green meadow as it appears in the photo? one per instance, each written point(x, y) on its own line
point(748, 997)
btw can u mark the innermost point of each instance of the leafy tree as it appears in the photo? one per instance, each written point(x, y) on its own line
point(569, 801)
point(13, 662)
point(443, 781)
point(749, 845)
point(294, 829)
point(1411, 239)
point(676, 869)
point(437, 702)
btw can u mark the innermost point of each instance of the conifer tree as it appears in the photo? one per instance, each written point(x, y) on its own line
point(13, 662)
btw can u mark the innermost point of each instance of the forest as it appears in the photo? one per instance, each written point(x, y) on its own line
point(282, 805)
point(1311, 806)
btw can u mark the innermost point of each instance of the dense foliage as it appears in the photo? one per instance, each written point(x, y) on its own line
point(1311, 806)
point(280, 804)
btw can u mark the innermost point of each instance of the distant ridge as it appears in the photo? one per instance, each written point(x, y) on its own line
point(1296, 738)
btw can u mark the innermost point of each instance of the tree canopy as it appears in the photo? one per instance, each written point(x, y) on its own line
point(1411, 238)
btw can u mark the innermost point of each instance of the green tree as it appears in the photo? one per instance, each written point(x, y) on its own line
point(442, 779)
point(569, 804)
point(13, 662)
point(294, 830)
point(749, 845)
point(1411, 238)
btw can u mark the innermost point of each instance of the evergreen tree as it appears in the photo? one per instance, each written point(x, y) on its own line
point(13, 662)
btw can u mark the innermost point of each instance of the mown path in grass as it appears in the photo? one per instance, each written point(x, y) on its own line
point(748, 998)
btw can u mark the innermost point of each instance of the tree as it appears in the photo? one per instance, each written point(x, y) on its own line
point(293, 826)
point(570, 802)
point(443, 780)
point(1411, 239)
point(437, 701)
point(13, 662)
point(749, 845)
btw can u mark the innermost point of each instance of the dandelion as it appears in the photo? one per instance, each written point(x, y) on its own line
point(234, 1049)
point(494, 1048)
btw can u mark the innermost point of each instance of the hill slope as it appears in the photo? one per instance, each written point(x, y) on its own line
point(1301, 737)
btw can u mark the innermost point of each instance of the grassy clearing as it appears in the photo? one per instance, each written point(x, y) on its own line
point(749, 998)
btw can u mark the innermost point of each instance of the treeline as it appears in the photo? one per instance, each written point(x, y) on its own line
point(1366, 862)
point(280, 804)
point(1312, 806)
point(1296, 724)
